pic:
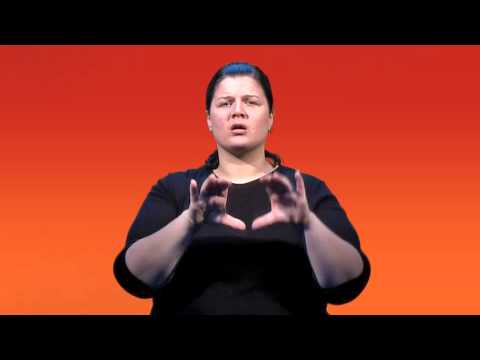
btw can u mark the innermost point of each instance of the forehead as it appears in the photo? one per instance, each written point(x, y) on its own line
point(238, 85)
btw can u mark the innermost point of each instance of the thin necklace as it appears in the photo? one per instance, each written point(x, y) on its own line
point(258, 177)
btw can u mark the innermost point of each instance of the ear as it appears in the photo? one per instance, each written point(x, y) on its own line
point(271, 120)
point(209, 123)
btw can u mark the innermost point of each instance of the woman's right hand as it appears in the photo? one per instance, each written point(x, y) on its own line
point(211, 200)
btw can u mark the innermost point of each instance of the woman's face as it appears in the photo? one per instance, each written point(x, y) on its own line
point(239, 114)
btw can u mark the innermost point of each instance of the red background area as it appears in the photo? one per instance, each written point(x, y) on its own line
point(87, 130)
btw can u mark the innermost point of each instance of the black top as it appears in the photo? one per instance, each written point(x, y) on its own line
point(226, 271)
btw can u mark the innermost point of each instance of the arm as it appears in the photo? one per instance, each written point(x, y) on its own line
point(152, 258)
point(339, 267)
point(334, 260)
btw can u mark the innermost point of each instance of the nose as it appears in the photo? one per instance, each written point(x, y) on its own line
point(238, 110)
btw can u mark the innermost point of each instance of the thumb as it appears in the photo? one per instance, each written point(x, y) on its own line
point(263, 220)
point(233, 222)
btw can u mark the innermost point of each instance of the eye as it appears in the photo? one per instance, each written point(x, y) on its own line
point(224, 104)
point(252, 102)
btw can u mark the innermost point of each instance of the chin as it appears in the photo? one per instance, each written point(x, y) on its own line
point(239, 150)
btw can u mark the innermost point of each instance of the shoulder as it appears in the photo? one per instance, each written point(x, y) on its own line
point(176, 183)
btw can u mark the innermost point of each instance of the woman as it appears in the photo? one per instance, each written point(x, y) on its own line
point(242, 234)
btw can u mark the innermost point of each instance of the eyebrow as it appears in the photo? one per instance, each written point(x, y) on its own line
point(244, 96)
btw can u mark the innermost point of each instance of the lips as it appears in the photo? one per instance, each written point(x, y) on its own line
point(239, 131)
point(238, 127)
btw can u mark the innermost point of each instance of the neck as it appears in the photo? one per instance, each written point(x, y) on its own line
point(242, 168)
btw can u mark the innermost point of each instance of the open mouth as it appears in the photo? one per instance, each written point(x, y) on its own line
point(238, 129)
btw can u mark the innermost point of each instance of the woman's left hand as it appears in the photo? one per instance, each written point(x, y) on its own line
point(287, 205)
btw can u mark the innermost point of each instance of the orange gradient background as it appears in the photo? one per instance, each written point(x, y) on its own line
point(87, 130)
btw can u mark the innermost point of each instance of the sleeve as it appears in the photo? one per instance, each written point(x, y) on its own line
point(158, 209)
point(327, 208)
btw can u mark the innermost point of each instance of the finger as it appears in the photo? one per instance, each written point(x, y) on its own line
point(263, 221)
point(276, 197)
point(220, 184)
point(217, 202)
point(224, 193)
point(283, 179)
point(210, 182)
point(205, 183)
point(233, 222)
point(278, 184)
point(213, 186)
point(194, 194)
point(300, 184)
